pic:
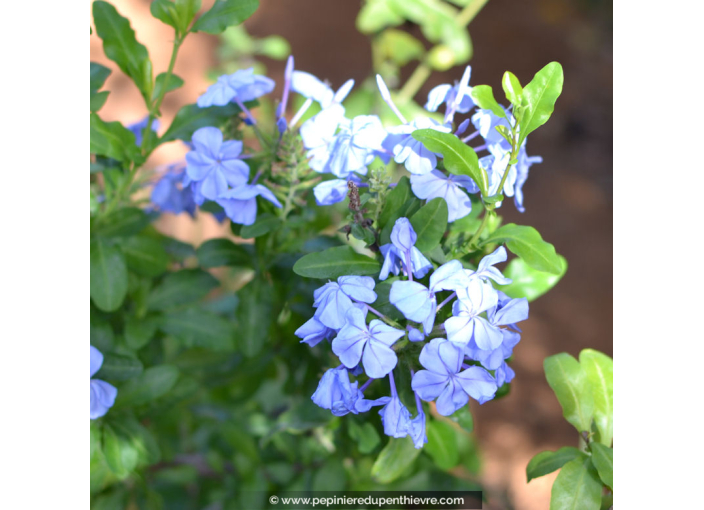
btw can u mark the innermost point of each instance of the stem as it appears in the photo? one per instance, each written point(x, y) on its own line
point(157, 103)
point(470, 10)
point(446, 300)
point(476, 235)
point(366, 384)
point(392, 383)
point(383, 317)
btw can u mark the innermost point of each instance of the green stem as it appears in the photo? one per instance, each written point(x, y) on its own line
point(476, 235)
point(470, 10)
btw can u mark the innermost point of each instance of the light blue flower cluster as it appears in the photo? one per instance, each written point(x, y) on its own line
point(345, 147)
point(463, 357)
point(102, 394)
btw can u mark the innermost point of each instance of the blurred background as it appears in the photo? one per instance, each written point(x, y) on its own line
point(568, 197)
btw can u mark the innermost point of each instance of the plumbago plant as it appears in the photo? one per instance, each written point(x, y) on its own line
point(362, 225)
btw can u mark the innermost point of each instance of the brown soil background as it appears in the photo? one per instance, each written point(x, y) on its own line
point(568, 197)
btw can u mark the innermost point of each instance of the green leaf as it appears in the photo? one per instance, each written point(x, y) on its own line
point(512, 88)
point(547, 462)
point(600, 374)
point(265, 223)
point(375, 15)
point(98, 75)
point(577, 487)
point(112, 139)
point(160, 84)
point(149, 385)
point(254, 316)
point(528, 282)
point(186, 10)
point(165, 11)
point(108, 276)
point(223, 252)
point(603, 460)
point(121, 456)
point(394, 200)
point(463, 417)
point(123, 222)
point(400, 47)
point(397, 456)
point(459, 158)
point(442, 445)
point(365, 435)
point(118, 368)
point(145, 256)
point(569, 381)
point(121, 46)
point(200, 328)
point(335, 262)
point(181, 288)
point(382, 302)
point(484, 98)
point(527, 243)
point(97, 100)
point(139, 331)
point(191, 118)
point(430, 223)
point(223, 14)
point(539, 98)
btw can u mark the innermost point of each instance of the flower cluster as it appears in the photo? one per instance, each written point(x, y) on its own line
point(345, 147)
point(463, 357)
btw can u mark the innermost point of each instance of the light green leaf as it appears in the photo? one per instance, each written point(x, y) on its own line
point(123, 222)
point(160, 84)
point(463, 417)
point(547, 462)
point(199, 328)
point(459, 158)
point(139, 331)
point(121, 46)
point(600, 373)
point(512, 88)
point(376, 15)
point(149, 385)
point(397, 456)
point(145, 255)
point(528, 282)
point(121, 456)
point(539, 98)
point(112, 139)
point(181, 288)
point(186, 11)
point(394, 200)
point(335, 262)
point(223, 252)
point(527, 243)
point(484, 98)
point(569, 381)
point(603, 460)
point(223, 14)
point(430, 223)
point(442, 445)
point(577, 487)
point(108, 276)
point(365, 435)
point(165, 11)
point(265, 223)
point(400, 47)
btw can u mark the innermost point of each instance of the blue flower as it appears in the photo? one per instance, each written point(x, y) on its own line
point(330, 192)
point(457, 97)
point(414, 334)
point(504, 374)
point(102, 394)
point(355, 146)
point(403, 253)
point(335, 392)
point(395, 418)
point(485, 271)
point(311, 87)
point(313, 332)
point(214, 163)
point(442, 379)
point(371, 344)
point(138, 128)
point(467, 324)
point(522, 167)
point(417, 303)
point(492, 359)
point(436, 184)
point(240, 203)
point(409, 151)
point(318, 133)
point(242, 85)
point(332, 300)
point(416, 429)
point(171, 195)
point(486, 121)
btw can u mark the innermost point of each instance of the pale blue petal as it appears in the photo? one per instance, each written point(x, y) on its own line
point(429, 385)
point(96, 360)
point(412, 299)
point(449, 276)
point(102, 397)
point(430, 357)
point(384, 333)
point(402, 235)
point(451, 399)
point(378, 359)
point(477, 383)
point(359, 288)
